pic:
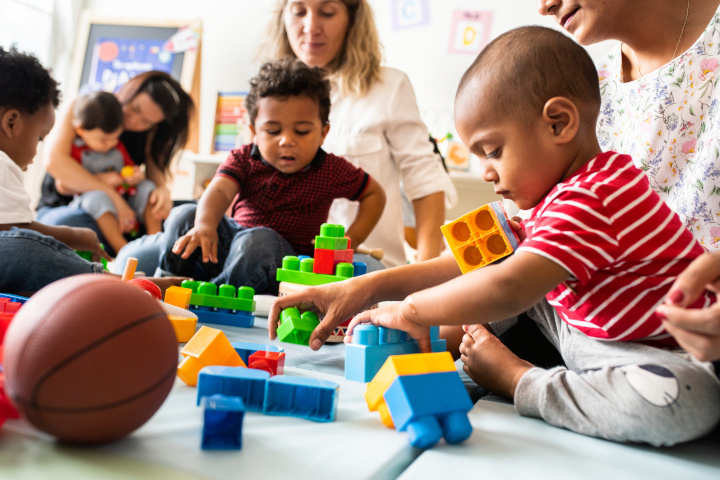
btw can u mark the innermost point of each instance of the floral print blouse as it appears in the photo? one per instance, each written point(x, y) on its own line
point(669, 122)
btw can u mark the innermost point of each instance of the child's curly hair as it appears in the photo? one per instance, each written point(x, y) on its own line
point(289, 77)
point(24, 83)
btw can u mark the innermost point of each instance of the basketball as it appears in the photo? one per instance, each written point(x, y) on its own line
point(89, 359)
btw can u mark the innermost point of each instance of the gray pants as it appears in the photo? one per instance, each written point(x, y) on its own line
point(621, 391)
point(97, 203)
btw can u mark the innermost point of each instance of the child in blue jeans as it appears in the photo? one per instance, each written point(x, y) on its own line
point(280, 188)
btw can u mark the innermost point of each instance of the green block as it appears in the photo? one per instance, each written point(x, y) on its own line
point(205, 294)
point(331, 243)
point(296, 328)
point(294, 271)
point(88, 256)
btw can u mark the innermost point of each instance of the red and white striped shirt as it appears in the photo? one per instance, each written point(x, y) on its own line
point(622, 245)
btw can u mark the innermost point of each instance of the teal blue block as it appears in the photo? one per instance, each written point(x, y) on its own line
point(308, 398)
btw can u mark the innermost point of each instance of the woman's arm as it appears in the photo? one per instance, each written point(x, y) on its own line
point(160, 201)
point(429, 216)
point(372, 203)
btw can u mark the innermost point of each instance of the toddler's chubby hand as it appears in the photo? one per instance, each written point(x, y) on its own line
point(132, 175)
point(391, 316)
point(515, 224)
point(199, 236)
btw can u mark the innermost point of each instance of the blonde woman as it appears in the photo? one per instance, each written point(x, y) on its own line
point(374, 120)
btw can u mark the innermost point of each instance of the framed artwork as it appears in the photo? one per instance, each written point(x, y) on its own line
point(458, 156)
point(470, 31)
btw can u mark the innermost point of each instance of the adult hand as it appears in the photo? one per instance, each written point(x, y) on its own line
point(202, 236)
point(86, 240)
point(111, 179)
point(336, 302)
point(696, 330)
point(160, 203)
point(390, 316)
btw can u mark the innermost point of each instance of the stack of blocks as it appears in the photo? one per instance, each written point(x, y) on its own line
point(481, 237)
point(259, 391)
point(423, 395)
point(332, 263)
point(9, 306)
point(223, 306)
point(371, 346)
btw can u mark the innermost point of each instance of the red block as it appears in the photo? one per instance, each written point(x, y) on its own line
point(326, 260)
point(271, 362)
point(7, 409)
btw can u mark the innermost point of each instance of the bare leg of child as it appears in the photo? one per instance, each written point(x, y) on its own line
point(152, 224)
point(108, 225)
point(489, 363)
point(453, 335)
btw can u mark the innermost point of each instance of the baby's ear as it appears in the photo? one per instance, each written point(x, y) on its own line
point(10, 122)
point(562, 118)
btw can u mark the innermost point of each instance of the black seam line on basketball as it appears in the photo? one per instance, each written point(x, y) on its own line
point(43, 409)
point(74, 356)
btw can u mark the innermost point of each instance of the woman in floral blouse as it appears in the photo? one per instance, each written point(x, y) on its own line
point(661, 105)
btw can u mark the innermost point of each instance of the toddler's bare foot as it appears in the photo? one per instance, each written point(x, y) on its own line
point(489, 363)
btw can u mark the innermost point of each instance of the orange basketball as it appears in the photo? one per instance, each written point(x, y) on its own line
point(88, 359)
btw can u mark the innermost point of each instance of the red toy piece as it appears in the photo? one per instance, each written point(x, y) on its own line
point(326, 260)
point(7, 409)
point(271, 362)
point(148, 286)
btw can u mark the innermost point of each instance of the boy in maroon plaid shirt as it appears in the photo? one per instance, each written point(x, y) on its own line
point(281, 188)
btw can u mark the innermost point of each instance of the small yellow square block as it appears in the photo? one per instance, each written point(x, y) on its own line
point(480, 237)
point(397, 365)
point(184, 327)
point(209, 346)
point(178, 296)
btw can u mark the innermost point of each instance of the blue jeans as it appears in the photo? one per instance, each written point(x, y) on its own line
point(246, 256)
point(72, 217)
point(31, 260)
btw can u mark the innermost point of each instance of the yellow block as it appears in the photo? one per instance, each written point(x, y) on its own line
point(397, 365)
point(184, 327)
point(178, 296)
point(209, 346)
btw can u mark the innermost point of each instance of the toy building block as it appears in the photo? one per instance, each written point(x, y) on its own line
point(88, 256)
point(308, 398)
point(271, 362)
point(7, 409)
point(398, 365)
point(372, 345)
point(184, 327)
point(301, 271)
point(178, 296)
point(245, 349)
point(222, 428)
point(332, 237)
point(207, 347)
point(245, 383)
point(430, 406)
point(296, 328)
point(221, 306)
point(327, 260)
point(481, 237)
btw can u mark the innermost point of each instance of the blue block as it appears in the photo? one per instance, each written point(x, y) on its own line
point(14, 298)
point(359, 268)
point(222, 429)
point(373, 345)
point(245, 349)
point(301, 397)
point(429, 406)
point(221, 316)
point(247, 384)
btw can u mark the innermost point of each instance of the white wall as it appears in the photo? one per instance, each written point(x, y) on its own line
point(232, 29)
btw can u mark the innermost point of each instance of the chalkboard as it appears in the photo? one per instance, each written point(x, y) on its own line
point(109, 51)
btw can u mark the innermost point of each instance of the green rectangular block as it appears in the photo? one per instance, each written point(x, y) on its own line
point(331, 243)
point(305, 278)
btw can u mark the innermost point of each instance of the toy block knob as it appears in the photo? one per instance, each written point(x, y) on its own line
point(227, 291)
point(456, 427)
point(330, 230)
point(424, 432)
point(389, 335)
point(344, 270)
point(191, 284)
point(207, 288)
point(290, 263)
point(246, 293)
point(289, 314)
point(306, 265)
point(365, 335)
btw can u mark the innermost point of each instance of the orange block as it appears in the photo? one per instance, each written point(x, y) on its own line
point(184, 327)
point(209, 346)
point(178, 296)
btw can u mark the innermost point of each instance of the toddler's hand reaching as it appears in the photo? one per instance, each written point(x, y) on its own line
point(199, 236)
point(391, 316)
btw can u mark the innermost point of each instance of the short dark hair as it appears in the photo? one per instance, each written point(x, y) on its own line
point(524, 68)
point(24, 83)
point(289, 77)
point(98, 110)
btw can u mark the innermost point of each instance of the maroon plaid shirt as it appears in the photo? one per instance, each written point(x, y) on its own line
point(294, 205)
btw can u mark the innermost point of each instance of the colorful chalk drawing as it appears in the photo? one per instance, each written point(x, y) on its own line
point(470, 31)
point(409, 13)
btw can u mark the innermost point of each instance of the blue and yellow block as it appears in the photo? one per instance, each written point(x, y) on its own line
point(373, 345)
point(225, 305)
point(423, 395)
point(481, 237)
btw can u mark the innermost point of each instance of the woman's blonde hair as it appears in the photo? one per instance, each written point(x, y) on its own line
point(357, 67)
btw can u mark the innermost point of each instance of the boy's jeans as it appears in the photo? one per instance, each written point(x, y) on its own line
point(30, 260)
